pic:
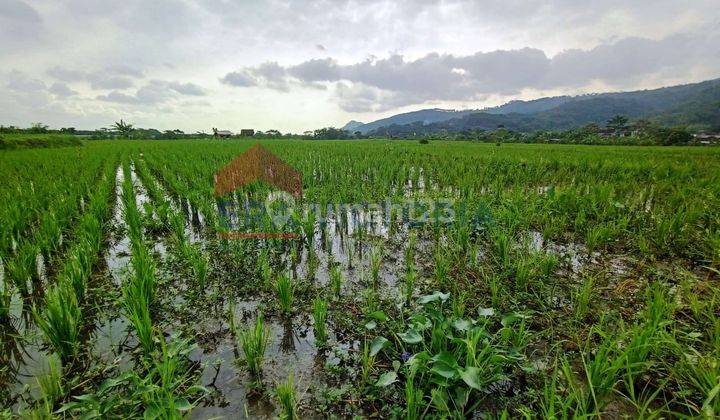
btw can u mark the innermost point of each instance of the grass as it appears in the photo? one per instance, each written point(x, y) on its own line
point(254, 342)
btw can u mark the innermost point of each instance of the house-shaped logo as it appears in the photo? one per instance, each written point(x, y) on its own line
point(257, 164)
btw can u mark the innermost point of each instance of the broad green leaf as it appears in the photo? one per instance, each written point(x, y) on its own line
point(379, 315)
point(486, 311)
point(386, 379)
point(433, 297)
point(411, 336)
point(444, 370)
point(420, 322)
point(371, 325)
point(471, 376)
point(462, 324)
point(182, 404)
point(378, 344)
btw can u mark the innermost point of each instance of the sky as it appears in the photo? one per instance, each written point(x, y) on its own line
point(301, 65)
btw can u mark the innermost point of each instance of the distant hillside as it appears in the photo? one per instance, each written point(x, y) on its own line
point(426, 116)
point(696, 105)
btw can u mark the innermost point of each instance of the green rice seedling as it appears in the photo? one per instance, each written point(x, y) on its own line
point(413, 399)
point(336, 280)
point(142, 279)
point(51, 386)
point(285, 291)
point(60, 320)
point(553, 404)
point(548, 262)
point(601, 371)
point(410, 277)
point(350, 247)
point(177, 225)
point(287, 398)
point(320, 310)
point(254, 342)
point(232, 306)
point(376, 257)
point(138, 312)
point(308, 228)
point(313, 262)
point(410, 251)
point(367, 364)
point(523, 274)
point(495, 284)
point(23, 268)
point(199, 261)
point(501, 248)
point(442, 265)
point(645, 401)
point(582, 297)
point(265, 269)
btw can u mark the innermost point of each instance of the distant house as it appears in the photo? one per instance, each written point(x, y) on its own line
point(612, 132)
point(706, 138)
point(223, 134)
point(247, 132)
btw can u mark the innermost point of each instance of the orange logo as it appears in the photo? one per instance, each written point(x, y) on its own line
point(257, 164)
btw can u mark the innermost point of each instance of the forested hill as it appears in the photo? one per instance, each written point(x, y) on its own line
point(695, 105)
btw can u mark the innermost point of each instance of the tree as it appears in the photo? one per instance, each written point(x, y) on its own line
point(38, 128)
point(617, 123)
point(123, 128)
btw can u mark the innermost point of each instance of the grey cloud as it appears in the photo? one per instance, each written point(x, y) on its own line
point(66, 75)
point(124, 70)
point(269, 74)
point(190, 89)
point(61, 90)
point(21, 83)
point(111, 77)
point(239, 79)
point(21, 26)
point(396, 81)
point(18, 10)
point(101, 81)
point(118, 97)
point(154, 92)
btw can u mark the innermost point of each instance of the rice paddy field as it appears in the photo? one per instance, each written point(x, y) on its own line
point(559, 281)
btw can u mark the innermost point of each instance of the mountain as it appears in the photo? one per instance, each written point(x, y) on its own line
point(696, 105)
point(426, 116)
point(352, 126)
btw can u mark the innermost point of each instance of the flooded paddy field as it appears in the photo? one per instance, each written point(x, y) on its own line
point(405, 281)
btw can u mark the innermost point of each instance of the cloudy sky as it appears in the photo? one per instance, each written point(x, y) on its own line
point(300, 65)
